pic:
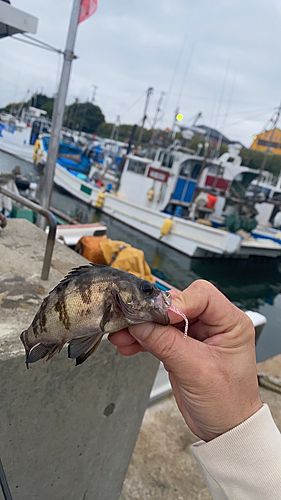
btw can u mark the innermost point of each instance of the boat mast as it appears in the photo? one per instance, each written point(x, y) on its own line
point(262, 167)
point(49, 170)
point(148, 94)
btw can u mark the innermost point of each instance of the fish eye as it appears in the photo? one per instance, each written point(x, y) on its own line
point(147, 288)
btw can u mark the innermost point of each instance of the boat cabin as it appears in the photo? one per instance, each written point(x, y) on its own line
point(171, 181)
point(166, 183)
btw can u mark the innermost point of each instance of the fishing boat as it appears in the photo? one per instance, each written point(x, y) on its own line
point(88, 160)
point(156, 196)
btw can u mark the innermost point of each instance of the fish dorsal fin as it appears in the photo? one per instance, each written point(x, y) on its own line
point(81, 345)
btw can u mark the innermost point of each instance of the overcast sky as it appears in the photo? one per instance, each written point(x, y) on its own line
point(220, 57)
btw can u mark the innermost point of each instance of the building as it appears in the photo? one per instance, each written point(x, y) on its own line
point(269, 139)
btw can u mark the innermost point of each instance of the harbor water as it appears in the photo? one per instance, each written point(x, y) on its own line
point(250, 284)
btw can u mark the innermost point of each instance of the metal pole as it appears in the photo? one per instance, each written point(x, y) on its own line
point(262, 167)
point(49, 170)
point(149, 93)
point(52, 228)
point(4, 483)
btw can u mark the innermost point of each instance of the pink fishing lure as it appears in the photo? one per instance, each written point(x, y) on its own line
point(180, 313)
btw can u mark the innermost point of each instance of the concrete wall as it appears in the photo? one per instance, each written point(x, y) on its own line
point(66, 432)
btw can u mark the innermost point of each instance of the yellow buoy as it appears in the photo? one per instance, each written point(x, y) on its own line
point(36, 149)
point(150, 194)
point(166, 227)
point(100, 200)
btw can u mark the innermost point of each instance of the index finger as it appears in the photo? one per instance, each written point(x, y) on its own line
point(208, 310)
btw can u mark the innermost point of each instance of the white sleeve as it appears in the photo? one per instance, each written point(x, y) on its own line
point(245, 462)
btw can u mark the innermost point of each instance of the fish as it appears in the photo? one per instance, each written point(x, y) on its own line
point(91, 301)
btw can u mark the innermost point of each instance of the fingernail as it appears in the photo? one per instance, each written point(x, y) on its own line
point(142, 330)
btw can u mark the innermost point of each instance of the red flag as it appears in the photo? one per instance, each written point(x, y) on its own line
point(88, 8)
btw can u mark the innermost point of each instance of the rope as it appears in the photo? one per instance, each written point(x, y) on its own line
point(271, 383)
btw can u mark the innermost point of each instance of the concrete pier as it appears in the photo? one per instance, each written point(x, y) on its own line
point(66, 432)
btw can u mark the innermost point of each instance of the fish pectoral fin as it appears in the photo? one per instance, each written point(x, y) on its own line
point(40, 351)
point(106, 315)
point(81, 346)
point(85, 355)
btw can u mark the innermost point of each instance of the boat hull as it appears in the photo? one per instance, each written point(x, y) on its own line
point(191, 238)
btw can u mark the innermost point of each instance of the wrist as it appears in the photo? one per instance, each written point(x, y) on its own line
point(236, 419)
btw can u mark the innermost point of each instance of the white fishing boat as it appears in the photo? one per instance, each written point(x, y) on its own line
point(155, 195)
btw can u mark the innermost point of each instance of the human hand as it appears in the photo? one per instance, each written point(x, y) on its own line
point(213, 371)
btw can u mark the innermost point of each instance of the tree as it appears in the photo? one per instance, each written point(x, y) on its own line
point(83, 116)
point(254, 159)
point(44, 102)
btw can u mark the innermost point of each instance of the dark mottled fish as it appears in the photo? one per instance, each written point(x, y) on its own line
point(90, 301)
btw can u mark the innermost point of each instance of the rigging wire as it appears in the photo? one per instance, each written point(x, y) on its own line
point(221, 96)
point(35, 44)
point(185, 74)
point(248, 118)
point(174, 76)
point(134, 103)
point(42, 43)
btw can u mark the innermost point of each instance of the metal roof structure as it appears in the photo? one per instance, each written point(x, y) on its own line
point(14, 21)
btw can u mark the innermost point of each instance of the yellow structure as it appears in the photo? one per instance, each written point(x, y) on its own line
point(271, 139)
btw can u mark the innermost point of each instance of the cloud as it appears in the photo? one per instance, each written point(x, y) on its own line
point(128, 46)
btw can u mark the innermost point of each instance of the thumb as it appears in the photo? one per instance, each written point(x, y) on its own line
point(168, 345)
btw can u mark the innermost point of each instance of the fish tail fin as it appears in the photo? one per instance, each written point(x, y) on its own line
point(23, 339)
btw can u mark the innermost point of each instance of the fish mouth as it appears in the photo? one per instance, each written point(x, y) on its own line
point(162, 304)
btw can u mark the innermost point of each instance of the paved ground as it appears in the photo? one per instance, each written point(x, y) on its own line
point(162, 466)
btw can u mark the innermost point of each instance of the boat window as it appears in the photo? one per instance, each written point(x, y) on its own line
point(217, 170)
point(276, 196)
point(167, 160)
point(190, 168)
point(212, 169)
point(137, 166)
point(185, 168)
point(196, 170)
point(241, 183)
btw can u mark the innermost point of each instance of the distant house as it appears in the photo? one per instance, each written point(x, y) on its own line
point(269, 139)
point(211, 134)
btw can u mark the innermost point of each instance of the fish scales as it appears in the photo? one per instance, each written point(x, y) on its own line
point(89, 302)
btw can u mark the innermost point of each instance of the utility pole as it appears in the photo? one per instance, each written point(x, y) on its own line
point(148, 94)
point(49, 169)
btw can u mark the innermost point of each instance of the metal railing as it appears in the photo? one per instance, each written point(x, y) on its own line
point(52, 227)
